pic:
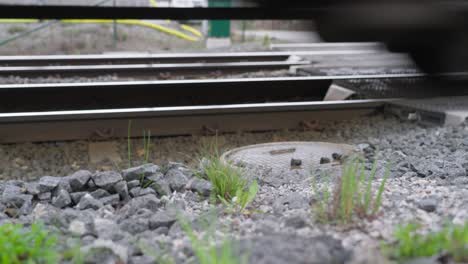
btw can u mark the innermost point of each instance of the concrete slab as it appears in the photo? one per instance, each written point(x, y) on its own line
point(446, 111)
point(282, 35)
point(337, 93)
point(213, 43)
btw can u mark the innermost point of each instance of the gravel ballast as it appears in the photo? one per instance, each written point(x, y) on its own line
point(119, 208)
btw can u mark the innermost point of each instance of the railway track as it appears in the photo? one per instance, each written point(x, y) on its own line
point(171, 121)
point(45, 60)
point(78, 111)
point(135, 94)
point(134, 70)
point(330, 47)
point(165, 65)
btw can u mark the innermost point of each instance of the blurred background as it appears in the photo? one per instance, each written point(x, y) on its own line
point(29, 36)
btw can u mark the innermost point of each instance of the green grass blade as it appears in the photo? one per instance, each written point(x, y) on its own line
point(129, 143)
point(378, 199)
point(368, 191)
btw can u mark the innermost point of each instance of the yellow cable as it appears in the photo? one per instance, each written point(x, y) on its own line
point(192, 30)
point(153, 3)
point(185, 27)
point(133, 22)
point(6, 21)
point(162, 29)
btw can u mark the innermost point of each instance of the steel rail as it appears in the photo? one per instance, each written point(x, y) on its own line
point(39, 60)
point(139, 69)
point(173, 121)
point(284, 80)
point(329, 46)
point(79, 96)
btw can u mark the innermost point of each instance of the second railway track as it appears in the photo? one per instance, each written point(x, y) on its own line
point(137, 70)
point(165, 58)
point(135, 94)
point(138, 65)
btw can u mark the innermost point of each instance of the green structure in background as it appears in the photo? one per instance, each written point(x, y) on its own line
point(219, 28)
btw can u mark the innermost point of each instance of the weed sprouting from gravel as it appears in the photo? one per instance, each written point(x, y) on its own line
point(208, 252)
point(352, 195)
point(242, 199)
point(146, 150)
point(27, 245)
point(227, 180)
point(146, 145)
point(129, 143)
point(452, 240)
point(146, 154)
point(229, 185)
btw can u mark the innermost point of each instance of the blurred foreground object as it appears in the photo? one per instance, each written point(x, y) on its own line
point(433, 32)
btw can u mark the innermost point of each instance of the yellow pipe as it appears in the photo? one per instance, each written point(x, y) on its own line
point(162, 29)
point(137, 23)
point(185, 27)
point(5, 21)
point(153, 3)
point(192, 30)
point(119, 21)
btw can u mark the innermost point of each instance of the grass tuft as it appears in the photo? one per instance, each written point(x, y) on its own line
point(27, 245)
point(229, 185)
point(352, 195)
point(452, 241)
point(227, 180)
point(129, 143)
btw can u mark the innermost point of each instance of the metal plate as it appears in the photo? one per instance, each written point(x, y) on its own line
point(272, 164)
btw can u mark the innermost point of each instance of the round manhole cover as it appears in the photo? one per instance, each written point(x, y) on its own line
point(284, 160)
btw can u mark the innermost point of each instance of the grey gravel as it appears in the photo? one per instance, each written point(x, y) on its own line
point(48, 183)
point(121, 188)
point(427, 184)
point(99, 193)
point(284, 248)
point(428, 204)
point(62, 199)
point(32, 188)
point(106, 179)
point(88, 201)
point(145, 191)
point(145, 170)
point(133, 184)
point(13, 197)
point(135, 191)
point(79, 179)
point(200, 186)
point(111, 200)
point(162, 219)
point(296, 162)
point(160, 185)
point(177, 179)
point(44, 196)
point(76, 196)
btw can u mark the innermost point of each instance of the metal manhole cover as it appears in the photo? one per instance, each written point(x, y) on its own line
point(284, 159)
